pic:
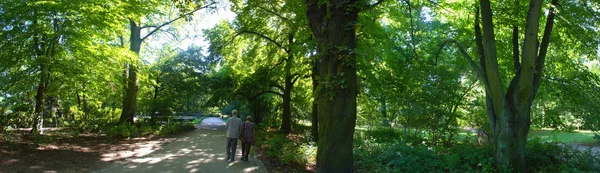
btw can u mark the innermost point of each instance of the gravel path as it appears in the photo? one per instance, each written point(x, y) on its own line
point(201, 151)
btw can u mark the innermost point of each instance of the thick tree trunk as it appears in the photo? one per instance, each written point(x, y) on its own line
point(332, 24)
point(510, 120)
point(130, 99)
point(315, 107)
point(512, 137)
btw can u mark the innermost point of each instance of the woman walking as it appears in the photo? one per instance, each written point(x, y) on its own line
point(247, 137)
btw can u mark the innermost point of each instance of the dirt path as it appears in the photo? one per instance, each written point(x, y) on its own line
point(201, 151)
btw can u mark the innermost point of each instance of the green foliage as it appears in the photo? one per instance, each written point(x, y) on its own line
point(128, 130)
point(123, 131)
point(544, 156)
point(174, 128)
point(292, 152)
point(373, 155)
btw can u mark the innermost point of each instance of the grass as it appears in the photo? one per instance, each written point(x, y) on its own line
point(576, 137)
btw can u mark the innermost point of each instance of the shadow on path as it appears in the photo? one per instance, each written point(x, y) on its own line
point(201, 151)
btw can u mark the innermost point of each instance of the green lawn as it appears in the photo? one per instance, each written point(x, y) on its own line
point(579, 137)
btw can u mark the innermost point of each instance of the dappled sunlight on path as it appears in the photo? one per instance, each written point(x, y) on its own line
point(201, 151)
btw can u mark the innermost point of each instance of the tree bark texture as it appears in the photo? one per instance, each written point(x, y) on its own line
point(315, 107)
point(130, 99)
point(333, 25)
point(510, 113)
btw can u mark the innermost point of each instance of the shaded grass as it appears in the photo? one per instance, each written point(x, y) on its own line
point(576, 137)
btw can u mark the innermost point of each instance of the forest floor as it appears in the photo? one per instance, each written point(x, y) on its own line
point(195, 151)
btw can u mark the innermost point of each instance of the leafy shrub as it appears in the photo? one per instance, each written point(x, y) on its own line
point(124, 130)
point(295, 152)
point(544, 156)
point(374, 155)
point(175, 128)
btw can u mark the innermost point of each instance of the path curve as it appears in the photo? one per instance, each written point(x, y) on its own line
point(200, 151)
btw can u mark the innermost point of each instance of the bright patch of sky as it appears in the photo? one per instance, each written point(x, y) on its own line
point(427, 14)
point(190, 34)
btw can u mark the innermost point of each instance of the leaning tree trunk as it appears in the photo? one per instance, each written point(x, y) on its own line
point(332, 24)
point(130, 99)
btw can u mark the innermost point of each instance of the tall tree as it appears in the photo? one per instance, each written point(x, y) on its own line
point(510, 113)
point(257, 18)
point(186, 9)
point(333, 24)
point(45, 35)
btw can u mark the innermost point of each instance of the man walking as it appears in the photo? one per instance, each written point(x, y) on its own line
point(233, 132)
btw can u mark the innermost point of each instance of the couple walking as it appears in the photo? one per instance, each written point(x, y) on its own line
point(245, 132)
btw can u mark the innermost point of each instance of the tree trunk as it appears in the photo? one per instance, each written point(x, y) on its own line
point(333, 25)
point(510, 114)
point(315, 107)
point(512, 137)
point(85, 111)
point(287, 90)
point(78, 100)
point(286, 117)
point(38, 121)
point(384, 112)
point(130, 99)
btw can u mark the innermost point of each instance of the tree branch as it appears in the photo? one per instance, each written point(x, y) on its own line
point(148, 26)
point(463, 52)
point(491, 60)
point(169, 22)
point(264, 92)
point(488, 98)
point(412, 29)
point(515, 42)
point(260, 35)
point(274, 13)
point(376, 4)
point(278, 87)
point(436, 4)
point(544, 47)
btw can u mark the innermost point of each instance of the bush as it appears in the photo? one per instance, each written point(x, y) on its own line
point(124, 130)
point(373, 155)
point(544, 156)
point(294, 152)
point(175, 128)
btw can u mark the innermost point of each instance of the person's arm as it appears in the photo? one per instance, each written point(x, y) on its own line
point(252, 135)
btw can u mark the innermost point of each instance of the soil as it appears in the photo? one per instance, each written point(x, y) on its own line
point(61, 151)
point(195, 151)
